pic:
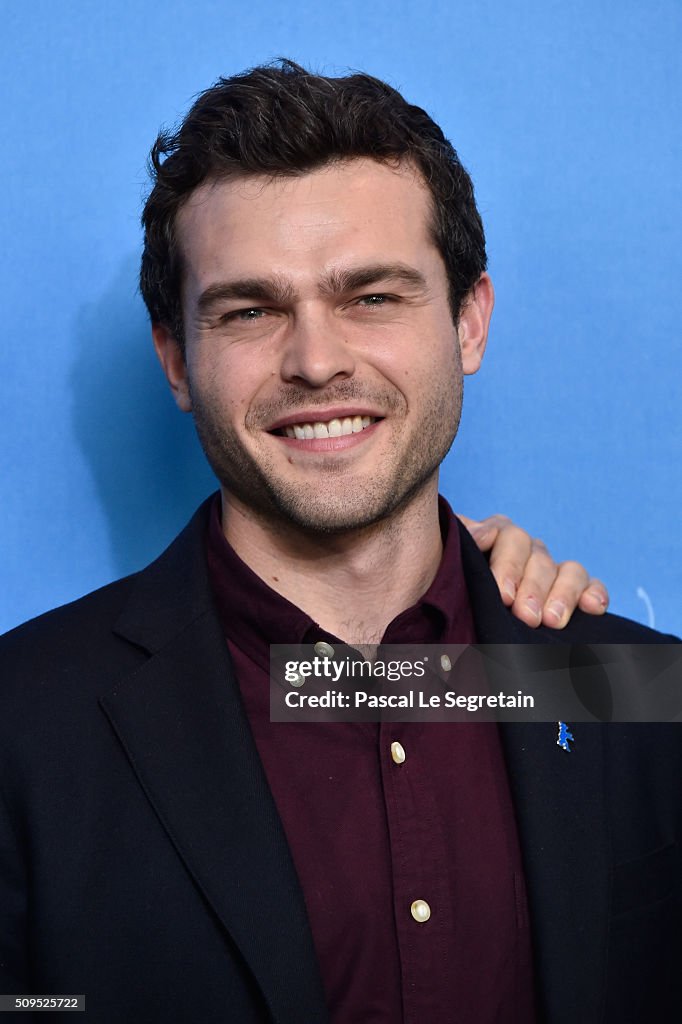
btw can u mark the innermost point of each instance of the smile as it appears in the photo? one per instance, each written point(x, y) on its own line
point(329, 428)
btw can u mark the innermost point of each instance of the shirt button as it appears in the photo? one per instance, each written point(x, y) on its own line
point(420, 911)
point(324, 649)
point(397, 752)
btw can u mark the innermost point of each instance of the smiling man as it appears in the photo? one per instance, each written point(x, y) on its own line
point(315, 272)
point(305, 302)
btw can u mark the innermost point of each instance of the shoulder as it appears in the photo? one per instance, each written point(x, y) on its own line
point(73, 643)
point(54, 670)
point(495, 623)
point(90, 624)
point(78, 648)
point(90, 610)
point(604, 629)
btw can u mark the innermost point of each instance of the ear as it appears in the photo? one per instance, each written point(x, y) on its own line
point(474, 321)
point(172, 359)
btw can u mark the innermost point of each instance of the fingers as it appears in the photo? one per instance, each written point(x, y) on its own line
point(516, 559)
point(486, 531)
point(525, 572)
point(549, 594)
point(530, 581)
point(595, 598)
point(573, 587)
point(510, 550)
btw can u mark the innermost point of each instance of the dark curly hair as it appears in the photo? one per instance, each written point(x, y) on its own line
point(280, 119)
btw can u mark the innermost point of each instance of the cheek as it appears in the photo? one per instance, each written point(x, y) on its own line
point(223, 384)
point(417, 352)
point(427, 370)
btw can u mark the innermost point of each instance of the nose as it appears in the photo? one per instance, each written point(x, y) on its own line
point(316, 351)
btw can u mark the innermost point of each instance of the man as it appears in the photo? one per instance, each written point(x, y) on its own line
point(314, 268)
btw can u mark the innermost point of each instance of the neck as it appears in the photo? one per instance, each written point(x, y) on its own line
point(353, 584)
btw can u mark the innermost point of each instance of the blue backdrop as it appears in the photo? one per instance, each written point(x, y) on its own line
point(568, 117)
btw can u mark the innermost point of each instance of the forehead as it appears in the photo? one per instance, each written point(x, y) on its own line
point(349, 211)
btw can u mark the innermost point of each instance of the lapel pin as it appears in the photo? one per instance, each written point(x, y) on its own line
point(564, 737)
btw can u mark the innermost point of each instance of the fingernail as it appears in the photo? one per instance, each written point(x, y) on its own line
point(596, 595)
point(534, 605)
point(557, 610)
point(509, 588)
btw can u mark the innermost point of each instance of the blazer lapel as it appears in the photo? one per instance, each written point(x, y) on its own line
point(183, 727)
point(561, 816)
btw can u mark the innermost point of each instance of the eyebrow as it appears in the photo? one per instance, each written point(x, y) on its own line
point(261, 289)
point(340, 281)
point(278, 290)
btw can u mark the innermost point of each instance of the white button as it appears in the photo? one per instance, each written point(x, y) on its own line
point(397, 752)
point(297, 680)
point(445, 663)
point(324, 649)
point(420, 911)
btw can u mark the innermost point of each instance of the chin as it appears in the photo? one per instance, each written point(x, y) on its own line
point(353, 510)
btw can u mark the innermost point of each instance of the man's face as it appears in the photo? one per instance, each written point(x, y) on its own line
point(323, 367)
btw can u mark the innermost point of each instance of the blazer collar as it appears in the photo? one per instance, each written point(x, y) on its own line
point(170, 593)
point(183, 727)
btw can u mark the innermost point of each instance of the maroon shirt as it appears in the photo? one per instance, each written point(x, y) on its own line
point(370, 836)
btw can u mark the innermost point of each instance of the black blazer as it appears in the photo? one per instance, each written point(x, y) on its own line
point(143, 862)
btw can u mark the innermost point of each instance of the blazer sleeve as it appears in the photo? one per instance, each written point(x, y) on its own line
point(13, 905)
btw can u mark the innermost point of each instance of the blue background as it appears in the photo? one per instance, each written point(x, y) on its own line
point(568, 117)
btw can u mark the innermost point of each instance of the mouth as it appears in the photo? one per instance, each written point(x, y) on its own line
point(308, 430)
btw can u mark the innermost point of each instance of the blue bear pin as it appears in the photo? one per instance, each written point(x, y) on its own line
point(564, 737)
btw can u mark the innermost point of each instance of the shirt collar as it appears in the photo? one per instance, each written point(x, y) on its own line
point(254, 615)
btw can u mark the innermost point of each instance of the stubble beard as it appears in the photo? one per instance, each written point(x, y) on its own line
point(337, 501)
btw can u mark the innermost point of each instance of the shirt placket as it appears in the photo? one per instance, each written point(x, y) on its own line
point(422, 898)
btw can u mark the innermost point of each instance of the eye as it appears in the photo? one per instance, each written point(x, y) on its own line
point(246, 314)
point(374, 300)
point(242, 317)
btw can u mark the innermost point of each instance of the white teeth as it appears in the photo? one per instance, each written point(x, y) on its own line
point(334, 428)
